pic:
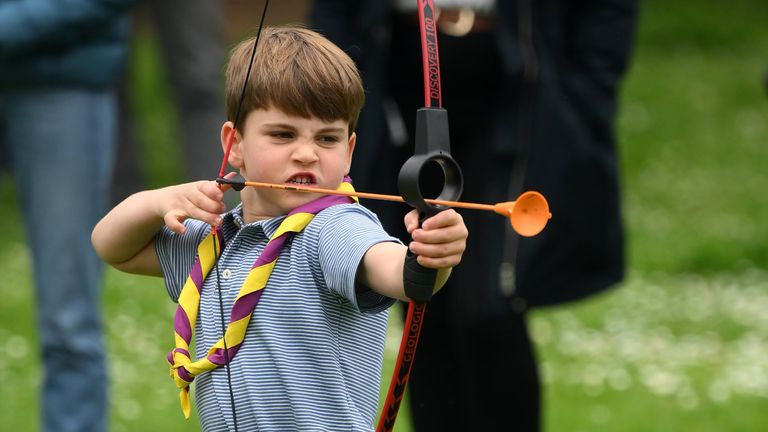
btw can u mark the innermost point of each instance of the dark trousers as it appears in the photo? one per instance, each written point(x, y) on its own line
point(474, 377)
point(475, 367)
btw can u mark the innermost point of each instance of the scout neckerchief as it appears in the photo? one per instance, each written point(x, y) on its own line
point(183, 369)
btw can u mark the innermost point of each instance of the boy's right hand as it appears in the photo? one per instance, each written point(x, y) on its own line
point(202, 200)
point(124, 238)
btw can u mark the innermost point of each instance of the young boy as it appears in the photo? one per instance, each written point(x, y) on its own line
point(311, 354)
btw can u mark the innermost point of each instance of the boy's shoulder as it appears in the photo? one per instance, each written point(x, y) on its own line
point(345, 230)
point(352, 215)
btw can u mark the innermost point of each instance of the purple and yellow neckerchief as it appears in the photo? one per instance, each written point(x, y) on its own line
point(183, 369)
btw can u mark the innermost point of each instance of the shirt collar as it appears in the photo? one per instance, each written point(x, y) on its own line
point(233, 222)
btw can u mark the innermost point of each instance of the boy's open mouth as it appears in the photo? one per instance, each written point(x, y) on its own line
point(302, 179)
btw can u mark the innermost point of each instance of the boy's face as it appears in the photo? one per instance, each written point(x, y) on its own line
point(284, 149)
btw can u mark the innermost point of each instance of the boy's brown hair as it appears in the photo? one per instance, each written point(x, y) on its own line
point(297, 71)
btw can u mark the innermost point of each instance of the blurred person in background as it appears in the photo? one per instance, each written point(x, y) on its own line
point(59, 62)
point(531, 88)
point(190, 36)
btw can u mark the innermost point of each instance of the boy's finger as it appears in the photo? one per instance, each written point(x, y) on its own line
point(211, 218)
point(438, 263)
point(209, 198)
point(173, 221)
point(411, 221)
point(226, 187)
point(208, 204)
point(440, 235)
point(441, 250)
point(443, 219)
point(210, 189)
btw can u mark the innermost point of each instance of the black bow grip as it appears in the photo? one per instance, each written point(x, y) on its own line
point(432, 146)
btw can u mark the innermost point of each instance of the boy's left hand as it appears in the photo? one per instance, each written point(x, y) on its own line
point(440, 241)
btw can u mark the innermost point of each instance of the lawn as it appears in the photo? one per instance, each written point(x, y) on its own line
point(681, 345)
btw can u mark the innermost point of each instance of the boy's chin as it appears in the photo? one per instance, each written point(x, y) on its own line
point(291, 202)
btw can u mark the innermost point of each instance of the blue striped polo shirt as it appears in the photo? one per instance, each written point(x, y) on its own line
point(312, 355)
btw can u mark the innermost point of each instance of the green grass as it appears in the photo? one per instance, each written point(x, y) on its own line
point(682, 352)
point(693, 130)
point(681, 345)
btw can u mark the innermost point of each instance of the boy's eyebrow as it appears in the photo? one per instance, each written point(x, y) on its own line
point(329, 129)
point(332, 129)
point(278, 125)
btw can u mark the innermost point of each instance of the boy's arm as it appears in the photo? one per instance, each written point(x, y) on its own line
point(124, 238)
point(439, 243)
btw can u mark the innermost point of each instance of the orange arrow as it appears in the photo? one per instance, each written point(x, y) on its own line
point(528, 214)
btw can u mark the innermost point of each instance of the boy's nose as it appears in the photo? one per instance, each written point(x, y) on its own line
point(305, 153)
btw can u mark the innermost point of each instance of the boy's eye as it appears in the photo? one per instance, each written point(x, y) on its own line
point(328, 139)
point(283, 135)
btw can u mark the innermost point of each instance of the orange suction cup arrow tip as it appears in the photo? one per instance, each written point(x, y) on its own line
point(528, 214)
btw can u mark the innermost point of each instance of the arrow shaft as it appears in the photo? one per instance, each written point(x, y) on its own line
point(368, 195)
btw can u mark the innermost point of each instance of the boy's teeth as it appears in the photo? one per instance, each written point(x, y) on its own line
point(301, 180)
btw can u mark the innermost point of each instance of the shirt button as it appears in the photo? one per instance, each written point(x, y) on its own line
point(226, 274)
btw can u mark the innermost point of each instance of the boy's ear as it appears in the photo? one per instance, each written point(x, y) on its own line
point(235, 155)
point(350, 149)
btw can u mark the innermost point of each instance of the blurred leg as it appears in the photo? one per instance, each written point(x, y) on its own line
point(61, 145)
point(501, 382)
point(128, 175)
point(192, 48)
point(190, 35)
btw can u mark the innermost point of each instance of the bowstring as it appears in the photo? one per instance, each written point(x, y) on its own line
point(215, 240)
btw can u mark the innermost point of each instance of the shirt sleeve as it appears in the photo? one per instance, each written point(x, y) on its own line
point(177, 252)
point(345, 236)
